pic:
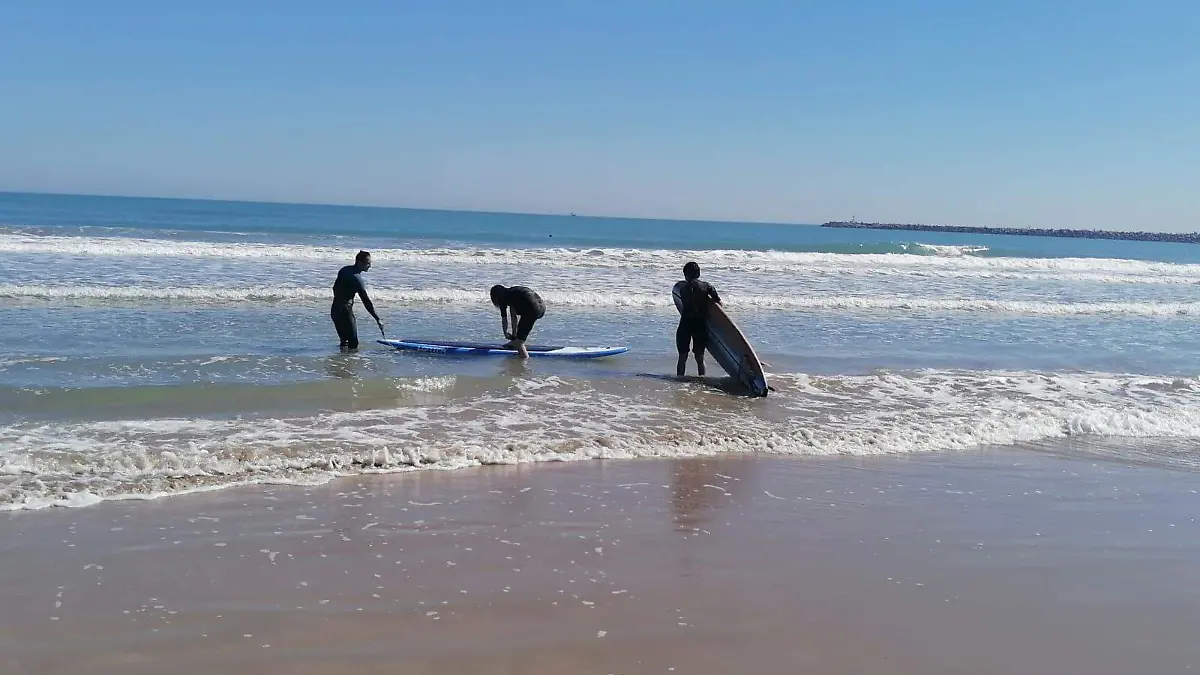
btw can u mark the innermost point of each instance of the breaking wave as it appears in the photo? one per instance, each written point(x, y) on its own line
point(934, 260)
point(213, 295)
point(560, 419)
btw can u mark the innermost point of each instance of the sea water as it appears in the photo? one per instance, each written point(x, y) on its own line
point(152, 347)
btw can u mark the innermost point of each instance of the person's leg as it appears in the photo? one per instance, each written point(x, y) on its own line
point(351, 329)
point(524, 328)
point(341, 324)
point(683, 338)
point(699, 343)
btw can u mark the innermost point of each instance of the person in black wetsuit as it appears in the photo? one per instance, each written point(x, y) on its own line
point(350, 283)
point(520, 302)
point(697, 296)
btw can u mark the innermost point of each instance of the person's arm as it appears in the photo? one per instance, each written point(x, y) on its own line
point(504, 323)
point(512, 313)
point(712, 293)
point(362, 293)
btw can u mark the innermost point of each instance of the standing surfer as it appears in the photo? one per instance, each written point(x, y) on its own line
point(696, 297)
point(520, 302)
point(348, 284)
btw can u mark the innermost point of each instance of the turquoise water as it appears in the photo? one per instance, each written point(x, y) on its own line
point(153, 346)
point(263, 221)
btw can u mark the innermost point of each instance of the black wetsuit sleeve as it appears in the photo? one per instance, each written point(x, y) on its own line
point(712, 293)
point(362, 293)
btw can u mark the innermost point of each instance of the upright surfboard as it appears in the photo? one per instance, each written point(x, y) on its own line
point(729, 347)
point(498, 349)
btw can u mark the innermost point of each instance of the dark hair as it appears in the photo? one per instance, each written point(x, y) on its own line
point(691, 271)
point(499, 295)
point(362, 255)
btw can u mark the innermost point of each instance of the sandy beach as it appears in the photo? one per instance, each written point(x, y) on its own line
point(1004, 562)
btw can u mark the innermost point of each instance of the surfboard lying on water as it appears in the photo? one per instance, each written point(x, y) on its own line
point(497, 349)
point(730, 348)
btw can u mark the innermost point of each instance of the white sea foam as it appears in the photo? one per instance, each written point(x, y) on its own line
point(948, 261)
point(557, 419)
point(5, 363)
point(951, 251)
point(429, 384)
point(584, 299)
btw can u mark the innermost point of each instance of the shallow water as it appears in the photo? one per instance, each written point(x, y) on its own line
point(154, 346)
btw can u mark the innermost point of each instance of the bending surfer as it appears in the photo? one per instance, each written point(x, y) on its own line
point(696, 296)
point(348, 284)
point(525, 307)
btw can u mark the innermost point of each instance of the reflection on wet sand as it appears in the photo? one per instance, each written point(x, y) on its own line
point(701, 486)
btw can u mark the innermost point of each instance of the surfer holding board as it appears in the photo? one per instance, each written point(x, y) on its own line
point(695, 297)
point(525, 307)
point(704, 326)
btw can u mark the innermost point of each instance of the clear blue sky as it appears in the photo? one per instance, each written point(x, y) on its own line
point(1040, 113)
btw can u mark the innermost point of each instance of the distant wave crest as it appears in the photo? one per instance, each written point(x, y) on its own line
point(911, 260)
point(948, 250)
point(454, 296)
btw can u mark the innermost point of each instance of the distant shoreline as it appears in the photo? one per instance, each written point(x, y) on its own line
point(1176, 237)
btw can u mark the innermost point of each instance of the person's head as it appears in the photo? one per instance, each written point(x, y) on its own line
point(691, 271)
point(363, 260)
point(499, 295)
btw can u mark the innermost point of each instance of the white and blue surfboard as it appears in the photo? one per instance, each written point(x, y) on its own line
point(497, 349)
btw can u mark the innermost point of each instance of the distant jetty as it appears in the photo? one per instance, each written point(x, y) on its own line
point(1183, 238)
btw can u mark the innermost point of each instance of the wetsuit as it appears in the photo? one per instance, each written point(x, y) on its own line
point(349, 283)
point(697, 296)
point(528, 306)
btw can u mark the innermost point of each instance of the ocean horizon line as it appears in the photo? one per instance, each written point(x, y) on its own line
point(998, 229)
point(386, 207)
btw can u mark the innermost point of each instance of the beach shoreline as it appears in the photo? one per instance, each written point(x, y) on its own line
point(997, 561)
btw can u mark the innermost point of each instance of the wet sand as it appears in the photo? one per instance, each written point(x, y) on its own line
point(992, 562)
